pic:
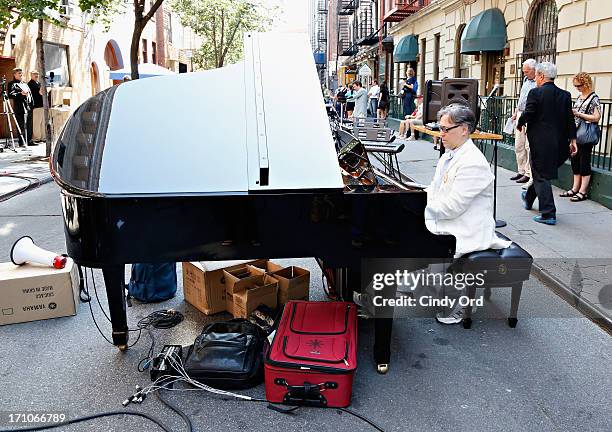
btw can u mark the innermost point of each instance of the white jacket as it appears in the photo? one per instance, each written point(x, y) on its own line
point(460, 201)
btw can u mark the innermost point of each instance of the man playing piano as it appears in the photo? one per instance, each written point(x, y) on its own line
point(460, 196)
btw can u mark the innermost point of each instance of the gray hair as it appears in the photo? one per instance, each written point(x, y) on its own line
point(459, 114)
point(547, 69)
point(530, 63)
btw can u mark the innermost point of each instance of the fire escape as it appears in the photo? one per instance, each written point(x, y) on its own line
point(346, 8)
point(321, 51)
point(402, 9)
point(366, 34)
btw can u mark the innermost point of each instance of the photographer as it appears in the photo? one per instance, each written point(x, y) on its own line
point(20, 93)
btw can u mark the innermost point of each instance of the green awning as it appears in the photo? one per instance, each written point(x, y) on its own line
point(485, 32)
point(406, 49)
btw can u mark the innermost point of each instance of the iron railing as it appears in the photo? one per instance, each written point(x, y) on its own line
point(493, 119)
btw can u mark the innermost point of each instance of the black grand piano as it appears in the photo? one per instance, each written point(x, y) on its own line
point(233, 163)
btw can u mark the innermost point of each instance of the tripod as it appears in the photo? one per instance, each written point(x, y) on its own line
point(7, 110)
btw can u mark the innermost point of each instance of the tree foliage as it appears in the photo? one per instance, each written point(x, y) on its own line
point(220, 23)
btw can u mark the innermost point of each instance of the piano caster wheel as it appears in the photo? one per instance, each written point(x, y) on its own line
point(122, 348)
point(382, 368)
point(512, 322)
point(467, 323)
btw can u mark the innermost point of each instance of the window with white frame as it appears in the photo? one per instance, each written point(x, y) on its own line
point(56, 64)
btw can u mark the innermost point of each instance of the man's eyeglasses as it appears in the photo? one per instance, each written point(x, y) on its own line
point(447, 130)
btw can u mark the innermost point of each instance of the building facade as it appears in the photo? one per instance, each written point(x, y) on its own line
point(81, 55)
point(574, 34)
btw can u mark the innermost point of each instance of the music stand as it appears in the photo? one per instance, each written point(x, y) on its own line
point(499, 223)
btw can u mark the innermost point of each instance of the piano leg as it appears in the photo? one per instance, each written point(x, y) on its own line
point(345, 281)
point(114, 279)
point(383, 325)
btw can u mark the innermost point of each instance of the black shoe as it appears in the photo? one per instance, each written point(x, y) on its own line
point(516, 177)
point(523, 179)
point(32, 143)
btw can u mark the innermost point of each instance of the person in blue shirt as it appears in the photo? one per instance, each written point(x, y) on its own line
point(409, 91)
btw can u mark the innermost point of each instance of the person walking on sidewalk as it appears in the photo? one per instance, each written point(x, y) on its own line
point(551, 131)
point(374, 94)
point(521, 142)
point(383, 101)
point(360, 97)
point(586, 109)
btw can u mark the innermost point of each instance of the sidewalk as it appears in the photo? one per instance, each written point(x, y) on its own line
point(27, 162)
point(573, 257)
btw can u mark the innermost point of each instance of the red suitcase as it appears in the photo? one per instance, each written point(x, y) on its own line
point(313, 357)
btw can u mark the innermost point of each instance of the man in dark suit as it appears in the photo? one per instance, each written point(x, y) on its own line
point(552, 138)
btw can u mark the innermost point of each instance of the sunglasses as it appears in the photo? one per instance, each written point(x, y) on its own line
point(446, 130)
point(578, 85)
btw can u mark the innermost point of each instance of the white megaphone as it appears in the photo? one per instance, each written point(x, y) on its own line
point(24, 250)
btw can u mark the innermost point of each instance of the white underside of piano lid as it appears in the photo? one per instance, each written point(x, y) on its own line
point(216, 131)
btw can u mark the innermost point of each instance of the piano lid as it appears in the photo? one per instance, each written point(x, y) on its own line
point(259, 125)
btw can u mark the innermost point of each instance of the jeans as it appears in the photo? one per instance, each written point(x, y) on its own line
point(373, 106)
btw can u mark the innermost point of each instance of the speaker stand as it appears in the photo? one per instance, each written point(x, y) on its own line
point(492, 113)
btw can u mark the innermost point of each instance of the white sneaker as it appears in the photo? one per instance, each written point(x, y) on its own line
point(455, 317)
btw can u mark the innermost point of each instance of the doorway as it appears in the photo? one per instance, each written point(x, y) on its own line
point(493, 72)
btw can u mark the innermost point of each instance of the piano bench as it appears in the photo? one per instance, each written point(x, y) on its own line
point(508, 267)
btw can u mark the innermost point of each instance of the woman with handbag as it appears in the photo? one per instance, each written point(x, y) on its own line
point(587, 113)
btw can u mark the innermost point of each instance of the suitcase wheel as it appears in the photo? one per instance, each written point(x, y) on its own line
point(382, 368)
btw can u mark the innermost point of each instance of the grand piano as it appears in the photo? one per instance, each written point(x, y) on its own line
point(170, 168)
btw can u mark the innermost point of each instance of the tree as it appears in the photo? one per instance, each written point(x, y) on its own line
point(13, 12)
point(221, 23)
point(105, 9)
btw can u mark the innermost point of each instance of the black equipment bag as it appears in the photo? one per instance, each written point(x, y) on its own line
point(228, 355)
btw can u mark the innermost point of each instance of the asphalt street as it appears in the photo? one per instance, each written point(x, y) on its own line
point(551, 373)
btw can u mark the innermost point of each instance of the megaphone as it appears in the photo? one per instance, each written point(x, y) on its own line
point(24, 250)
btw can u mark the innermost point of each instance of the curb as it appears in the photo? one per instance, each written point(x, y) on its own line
point(40, 181)
point(557, 286)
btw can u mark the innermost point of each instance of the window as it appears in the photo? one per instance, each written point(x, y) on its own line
point(153, 53)
point(462, 61)
point(540, 41)
point(423, 51)
point(145, 56)
point(168, 25)
point(436, 59)
point(56, 64)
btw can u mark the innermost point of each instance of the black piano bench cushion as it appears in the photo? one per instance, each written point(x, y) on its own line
point(501, 267)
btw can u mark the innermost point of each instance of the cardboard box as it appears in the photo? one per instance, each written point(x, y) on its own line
point(34, 292)
point(293, 282)
point(204, 284)
point(255, 291)
point(237, 279)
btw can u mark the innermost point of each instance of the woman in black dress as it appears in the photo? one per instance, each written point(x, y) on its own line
point(383, 101)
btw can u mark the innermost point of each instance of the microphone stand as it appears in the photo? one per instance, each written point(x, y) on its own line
point(499, 223)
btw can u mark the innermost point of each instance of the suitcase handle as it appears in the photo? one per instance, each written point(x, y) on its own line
point(346, 319)
point(342, 360)
point(306, 394)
